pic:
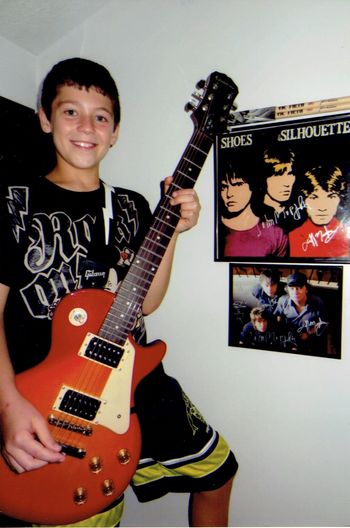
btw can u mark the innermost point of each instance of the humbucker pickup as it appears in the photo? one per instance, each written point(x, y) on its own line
point(101, 350)
point(77, 404)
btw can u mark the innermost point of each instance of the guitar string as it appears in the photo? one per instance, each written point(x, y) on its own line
point(89, 376)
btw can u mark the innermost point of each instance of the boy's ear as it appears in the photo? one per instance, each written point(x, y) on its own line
point(44, 122)
point(115, 135)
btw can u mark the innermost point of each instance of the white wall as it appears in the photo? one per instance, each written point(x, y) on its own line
point(17, 73)
point(285, 416)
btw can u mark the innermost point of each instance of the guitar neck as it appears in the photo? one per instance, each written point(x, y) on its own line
point(133, 290)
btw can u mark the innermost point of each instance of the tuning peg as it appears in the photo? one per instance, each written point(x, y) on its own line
point(200, 84)
point(189, 107)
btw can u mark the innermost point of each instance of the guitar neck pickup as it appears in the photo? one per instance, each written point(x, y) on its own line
point(101, 350)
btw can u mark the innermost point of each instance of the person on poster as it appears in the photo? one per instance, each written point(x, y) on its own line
point(304, 314)
point(269, 289)
point(70, 230)
point(281, 206)
point(263, 332)
point(322, 234)
point(242, 234)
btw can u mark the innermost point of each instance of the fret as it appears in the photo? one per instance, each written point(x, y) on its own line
point(156, 232)
point(147, 250)
point(200, 150)
point(156, 242)
point(137, 263)
point(164, 222)
point(137, 276)
point(170, 213)
point(186, 176)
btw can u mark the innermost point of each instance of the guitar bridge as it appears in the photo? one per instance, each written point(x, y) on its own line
point(85, 430)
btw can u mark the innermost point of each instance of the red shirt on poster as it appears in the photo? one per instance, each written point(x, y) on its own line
point(311, 240)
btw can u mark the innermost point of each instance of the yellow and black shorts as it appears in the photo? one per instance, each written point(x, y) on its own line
point(180, 451)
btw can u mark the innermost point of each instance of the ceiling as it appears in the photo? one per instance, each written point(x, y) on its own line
point(37, 24)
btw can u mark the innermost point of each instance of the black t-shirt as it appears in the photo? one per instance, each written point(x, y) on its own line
point(55, 241)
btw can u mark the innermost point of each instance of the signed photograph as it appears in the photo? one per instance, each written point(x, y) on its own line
point(282, 191)
point(295, 309)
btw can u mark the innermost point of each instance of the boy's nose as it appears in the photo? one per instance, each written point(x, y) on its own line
point(86, 123)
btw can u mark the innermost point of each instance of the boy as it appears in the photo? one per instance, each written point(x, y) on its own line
point(242, 233)
point(70, 230)
point(263, 332)
point(269, 289)
point(322, 234)
point(304, 314)
point(281, 205)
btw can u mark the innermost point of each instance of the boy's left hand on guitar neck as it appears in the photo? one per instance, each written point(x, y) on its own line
point(189, 206)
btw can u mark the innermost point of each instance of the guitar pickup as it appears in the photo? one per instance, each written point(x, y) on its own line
point(101, 350)
point(77, 404)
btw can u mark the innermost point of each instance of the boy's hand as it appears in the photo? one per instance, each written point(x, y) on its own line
point(189, 206)
point(26, 441)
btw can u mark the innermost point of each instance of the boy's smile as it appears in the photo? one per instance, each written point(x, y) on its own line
point(82, 126)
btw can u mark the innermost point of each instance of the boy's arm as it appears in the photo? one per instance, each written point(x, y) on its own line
point(26, 440)
point(190, 207)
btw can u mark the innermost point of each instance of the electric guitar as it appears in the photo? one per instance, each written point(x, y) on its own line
point(85, 387)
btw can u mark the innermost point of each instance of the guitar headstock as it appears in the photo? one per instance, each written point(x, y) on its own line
point(212, 103)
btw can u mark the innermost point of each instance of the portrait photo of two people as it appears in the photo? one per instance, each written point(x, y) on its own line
point(282, 218)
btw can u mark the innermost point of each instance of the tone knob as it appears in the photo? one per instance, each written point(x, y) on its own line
point(124, 456)
point(80, 496)
point(95, 464)
point(108, 487)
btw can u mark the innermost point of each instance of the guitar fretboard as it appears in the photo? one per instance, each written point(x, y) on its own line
point(132, 292)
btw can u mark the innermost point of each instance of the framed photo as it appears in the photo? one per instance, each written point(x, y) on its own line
point(288, 309)
point(282, 189)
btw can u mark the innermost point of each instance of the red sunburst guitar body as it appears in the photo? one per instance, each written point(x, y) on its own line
point(87, 404)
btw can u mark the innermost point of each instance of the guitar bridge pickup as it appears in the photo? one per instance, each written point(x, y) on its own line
point(85, 430)
point(77, 404)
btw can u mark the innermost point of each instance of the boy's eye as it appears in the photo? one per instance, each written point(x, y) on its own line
point(70, 112)
point(102, 119)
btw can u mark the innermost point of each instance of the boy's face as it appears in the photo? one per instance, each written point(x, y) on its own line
point(260, 324)
point(269, 287)
point(280, 183)
point(82, 126)
point(298, 294)
point(322, 206)
point(236, 194)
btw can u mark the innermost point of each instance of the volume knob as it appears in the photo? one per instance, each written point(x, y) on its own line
point(108, 487)
point(95, 464)
point(80, 496)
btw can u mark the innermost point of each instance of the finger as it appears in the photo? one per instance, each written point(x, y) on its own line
point(44, 436)
point(184, 196)
point(30, 452)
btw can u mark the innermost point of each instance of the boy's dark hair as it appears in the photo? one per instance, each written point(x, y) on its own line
point(83, 73)
point(273, 275)
point(329, 177)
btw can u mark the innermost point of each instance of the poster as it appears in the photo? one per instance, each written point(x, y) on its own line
point(287, 309)
point(282, 190)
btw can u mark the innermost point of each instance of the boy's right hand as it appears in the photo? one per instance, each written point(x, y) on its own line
point(26, 441)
